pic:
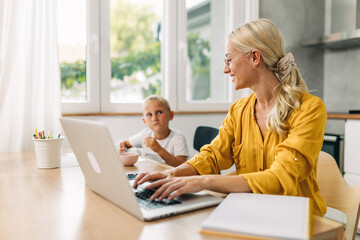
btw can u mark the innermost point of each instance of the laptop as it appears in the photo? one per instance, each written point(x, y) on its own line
point(105, 174)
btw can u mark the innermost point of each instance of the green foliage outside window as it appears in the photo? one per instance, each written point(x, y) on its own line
point(198, 52)
point(131, 26)
point(147, 61)
point(72, 73)
point(134, 48)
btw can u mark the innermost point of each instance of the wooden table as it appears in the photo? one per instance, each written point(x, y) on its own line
point(57, 204)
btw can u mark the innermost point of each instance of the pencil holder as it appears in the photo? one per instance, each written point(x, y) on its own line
point(48, 152)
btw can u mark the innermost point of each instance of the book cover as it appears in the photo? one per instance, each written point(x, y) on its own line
point(261, 216)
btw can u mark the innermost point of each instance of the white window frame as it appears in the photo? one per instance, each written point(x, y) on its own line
point(238, 12)
point(174, 50)
point(106, 105)
point(169, 53)
point(183, 104)
point(92, 105)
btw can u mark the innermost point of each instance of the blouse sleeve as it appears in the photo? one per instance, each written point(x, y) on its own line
point(217, 155)
point(296, 156)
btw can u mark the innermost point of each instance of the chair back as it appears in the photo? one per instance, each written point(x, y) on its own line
point(204, 135)
point(337, 193)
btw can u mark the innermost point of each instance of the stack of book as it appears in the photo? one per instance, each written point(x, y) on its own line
point(261, 216)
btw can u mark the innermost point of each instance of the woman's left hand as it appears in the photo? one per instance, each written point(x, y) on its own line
point(176, 186)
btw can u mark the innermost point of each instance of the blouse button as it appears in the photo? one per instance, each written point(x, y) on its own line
point(260, 147)
point(296, 159)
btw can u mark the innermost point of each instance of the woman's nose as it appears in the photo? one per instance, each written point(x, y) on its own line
point(226, 69)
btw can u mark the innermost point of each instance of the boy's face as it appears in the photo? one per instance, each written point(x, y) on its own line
point(156, 116)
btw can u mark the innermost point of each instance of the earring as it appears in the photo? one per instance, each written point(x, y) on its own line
point(253, 66)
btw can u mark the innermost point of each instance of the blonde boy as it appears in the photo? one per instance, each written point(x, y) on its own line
point(158, 141)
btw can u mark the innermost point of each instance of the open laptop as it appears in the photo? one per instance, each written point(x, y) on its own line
point(105, 175)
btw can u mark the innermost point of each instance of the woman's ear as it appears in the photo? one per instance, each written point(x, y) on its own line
point(255, 57)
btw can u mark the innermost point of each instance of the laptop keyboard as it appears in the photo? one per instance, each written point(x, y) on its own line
point(143, 196)
point(131, 176)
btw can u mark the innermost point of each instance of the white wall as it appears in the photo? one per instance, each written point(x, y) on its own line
point(122, 127)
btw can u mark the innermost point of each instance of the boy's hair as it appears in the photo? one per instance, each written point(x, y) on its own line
point(157, 98)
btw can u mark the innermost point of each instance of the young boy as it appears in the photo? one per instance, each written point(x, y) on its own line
point(158, 141)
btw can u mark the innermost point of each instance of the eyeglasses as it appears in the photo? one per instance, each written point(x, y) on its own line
point(228, 60)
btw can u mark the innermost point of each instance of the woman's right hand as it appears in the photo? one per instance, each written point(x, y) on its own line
point(144, 177)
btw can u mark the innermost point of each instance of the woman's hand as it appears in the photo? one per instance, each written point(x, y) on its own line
point(144, 177)
point(165, 181)
point(172, 187)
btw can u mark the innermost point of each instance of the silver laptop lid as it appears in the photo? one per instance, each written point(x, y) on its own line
point(99, 162)
point(98, 159)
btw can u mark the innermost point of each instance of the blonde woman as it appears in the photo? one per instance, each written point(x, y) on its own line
point(273, 136)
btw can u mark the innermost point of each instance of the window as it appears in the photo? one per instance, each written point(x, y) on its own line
point(72, 50)
point(131, 55)
point(78, 42)
point(142, 47)
point(135, 49)
point(203, 50)
point(205, 86)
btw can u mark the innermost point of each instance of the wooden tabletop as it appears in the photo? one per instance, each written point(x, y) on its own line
point(57, 204)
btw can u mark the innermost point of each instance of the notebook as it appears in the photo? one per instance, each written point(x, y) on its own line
point(261, 216)
point(105, 175)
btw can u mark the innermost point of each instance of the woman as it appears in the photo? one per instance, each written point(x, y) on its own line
point(274, 136)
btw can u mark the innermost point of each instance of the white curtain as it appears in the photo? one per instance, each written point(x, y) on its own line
point(29, 72)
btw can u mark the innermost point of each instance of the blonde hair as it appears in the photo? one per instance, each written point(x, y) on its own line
point(264, 36)
point(157, 98)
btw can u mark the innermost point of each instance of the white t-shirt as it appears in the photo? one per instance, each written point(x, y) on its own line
point(175, 144)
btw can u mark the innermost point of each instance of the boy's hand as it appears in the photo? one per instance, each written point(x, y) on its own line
point(122, 147)
point(152, 143)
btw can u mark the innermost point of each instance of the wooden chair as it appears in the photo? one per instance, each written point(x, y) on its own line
point(337, 193)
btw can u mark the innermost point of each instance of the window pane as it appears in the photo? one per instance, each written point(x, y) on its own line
point(72, 49)
point(135, 49)
point(206, 46)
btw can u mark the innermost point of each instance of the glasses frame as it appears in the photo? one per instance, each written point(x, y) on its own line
point(227, 60)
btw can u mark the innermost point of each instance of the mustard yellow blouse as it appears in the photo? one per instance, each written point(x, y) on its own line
point(276, 165)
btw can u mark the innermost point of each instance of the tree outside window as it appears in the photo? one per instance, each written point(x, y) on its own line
point(135, 51)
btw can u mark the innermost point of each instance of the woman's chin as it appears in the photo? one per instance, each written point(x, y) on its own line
point(237, 87)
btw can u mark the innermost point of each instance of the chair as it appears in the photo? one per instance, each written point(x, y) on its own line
point(204, 135)
point(337, 193)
